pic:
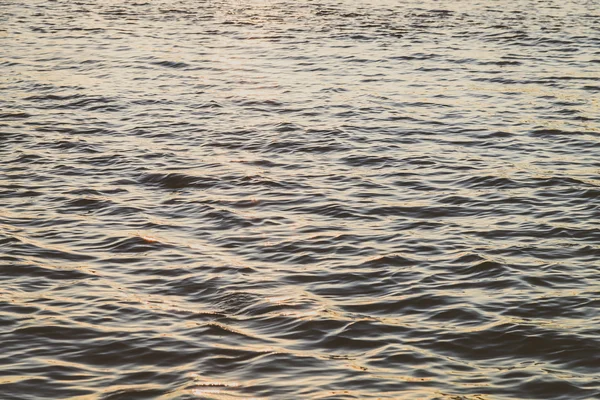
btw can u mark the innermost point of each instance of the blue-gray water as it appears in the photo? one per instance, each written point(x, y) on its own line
point(328, 199)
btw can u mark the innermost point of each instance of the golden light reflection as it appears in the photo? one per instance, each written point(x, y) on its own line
point(149, 238)
point(217, 394)
point(6, 380)
point(207, 388)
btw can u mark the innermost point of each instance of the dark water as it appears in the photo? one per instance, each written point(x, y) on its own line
point(300, 199)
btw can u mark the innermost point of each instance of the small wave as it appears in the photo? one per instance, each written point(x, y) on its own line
point(134, 244)
point(73, 102)
point(171, 64)
point(14, 115)
point(176, 180)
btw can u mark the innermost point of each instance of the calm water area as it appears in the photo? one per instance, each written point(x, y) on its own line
point(309, 199)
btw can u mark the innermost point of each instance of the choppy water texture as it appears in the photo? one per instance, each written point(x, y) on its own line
point(300, 199)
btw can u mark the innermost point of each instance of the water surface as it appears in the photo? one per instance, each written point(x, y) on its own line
point(300, 199)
